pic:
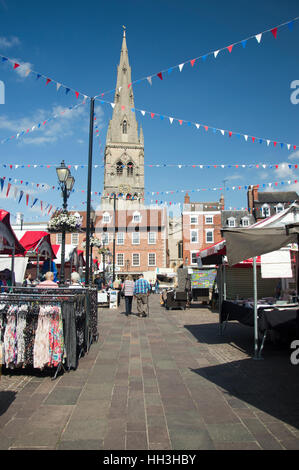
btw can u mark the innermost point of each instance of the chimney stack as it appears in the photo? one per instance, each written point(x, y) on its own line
point(187, 199)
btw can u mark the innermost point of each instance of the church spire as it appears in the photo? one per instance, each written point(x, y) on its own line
point(123, 124)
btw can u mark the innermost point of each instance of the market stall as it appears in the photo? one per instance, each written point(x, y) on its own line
point(265, 237)
point(38, 248)
point(9, 247)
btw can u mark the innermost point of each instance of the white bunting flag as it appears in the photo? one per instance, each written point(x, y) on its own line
point(222, 131)
point(76, 167)
point(258, 37)
point(198, 126)
point(171, 120)
point(149, 79)
point(216, 53)
point(143, 113)
point(268, 142)
point(289, 146)
point(246, 137)
point(181, 67)
point(58, 85)
point(112, 105)
point(27, 72)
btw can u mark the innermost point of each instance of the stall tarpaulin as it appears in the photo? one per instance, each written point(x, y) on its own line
point(20, 265)
point(8, 239)
point(70, 251)
point(276, 264)
point(247, 243)
point(38, 242)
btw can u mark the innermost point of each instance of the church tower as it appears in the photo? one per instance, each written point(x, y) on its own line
point(124, 151)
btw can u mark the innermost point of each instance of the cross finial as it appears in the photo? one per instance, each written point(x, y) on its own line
point(124, 28)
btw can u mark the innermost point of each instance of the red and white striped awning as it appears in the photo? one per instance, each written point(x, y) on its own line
point(218, 248)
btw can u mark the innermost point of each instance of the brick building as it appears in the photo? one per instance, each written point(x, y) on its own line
point(262, 204)
point(202, 224)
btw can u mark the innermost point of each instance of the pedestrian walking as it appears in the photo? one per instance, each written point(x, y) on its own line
point(142, 289)
point(128, 290)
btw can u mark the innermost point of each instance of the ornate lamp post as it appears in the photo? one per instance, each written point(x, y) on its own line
point(66, 183)
point(92, 230)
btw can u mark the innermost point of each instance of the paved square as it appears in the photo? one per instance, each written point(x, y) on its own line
point(168, 382)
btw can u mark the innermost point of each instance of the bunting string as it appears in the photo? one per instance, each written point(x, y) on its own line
point(162, 73)
point(76, 166)
point(41, 124)
point(39, 76)
point(206, 128)
point(19, 195)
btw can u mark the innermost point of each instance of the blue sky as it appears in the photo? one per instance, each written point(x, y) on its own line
point(246, 91)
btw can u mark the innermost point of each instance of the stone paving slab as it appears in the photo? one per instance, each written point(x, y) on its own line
point(167, 382)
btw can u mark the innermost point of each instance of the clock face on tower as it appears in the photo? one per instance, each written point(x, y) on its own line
point(125, 189)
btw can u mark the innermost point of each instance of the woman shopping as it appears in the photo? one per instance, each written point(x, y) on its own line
point(128, 290)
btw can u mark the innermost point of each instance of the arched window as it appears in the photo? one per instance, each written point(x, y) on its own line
point(119, 168)
point(125, 127)
point(130, 167)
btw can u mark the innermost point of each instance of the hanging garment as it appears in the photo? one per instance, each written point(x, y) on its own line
point(29, 333)
point(41, 348)
point(21, 324)
point(56, 339)
point(10, 337)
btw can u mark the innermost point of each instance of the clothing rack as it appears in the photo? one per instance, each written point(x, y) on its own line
point(70, 319)
point(91, 304)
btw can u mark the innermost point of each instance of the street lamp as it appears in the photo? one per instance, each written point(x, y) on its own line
point(92, 221)
point(66, 183)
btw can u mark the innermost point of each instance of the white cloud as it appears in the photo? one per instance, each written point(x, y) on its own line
point(65, 124)
point(9, 42)
point(294, 155)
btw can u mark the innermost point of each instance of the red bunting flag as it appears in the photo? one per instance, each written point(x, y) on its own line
point(16, 66)
point(27, 199)
point(206, 127)
point(181, 122)
point(152, 115)
point(8, 189)
point(192, 62)
point(253, 139)
point(77, 94)
point(276, 166)
point(48, 81)
point(160, 75)
point(274, 32)
point(274, 144)
point(230, 47)
point(230, 133)
point(295, 147)
point(296, 166)
point(237, 166)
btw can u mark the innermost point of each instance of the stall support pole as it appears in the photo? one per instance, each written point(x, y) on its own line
point(220, 290)
point(224, 281)
point(13, 265)
point(37, 267)
point(256, 346)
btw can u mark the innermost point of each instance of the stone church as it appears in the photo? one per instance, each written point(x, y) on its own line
point(124, 151)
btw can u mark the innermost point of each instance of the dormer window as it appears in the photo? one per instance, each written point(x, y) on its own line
point(245, 221)
point(279, 208)
point(231, 222)
point(266, 210)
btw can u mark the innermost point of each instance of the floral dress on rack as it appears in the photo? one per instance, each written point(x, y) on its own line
point(56, 338)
